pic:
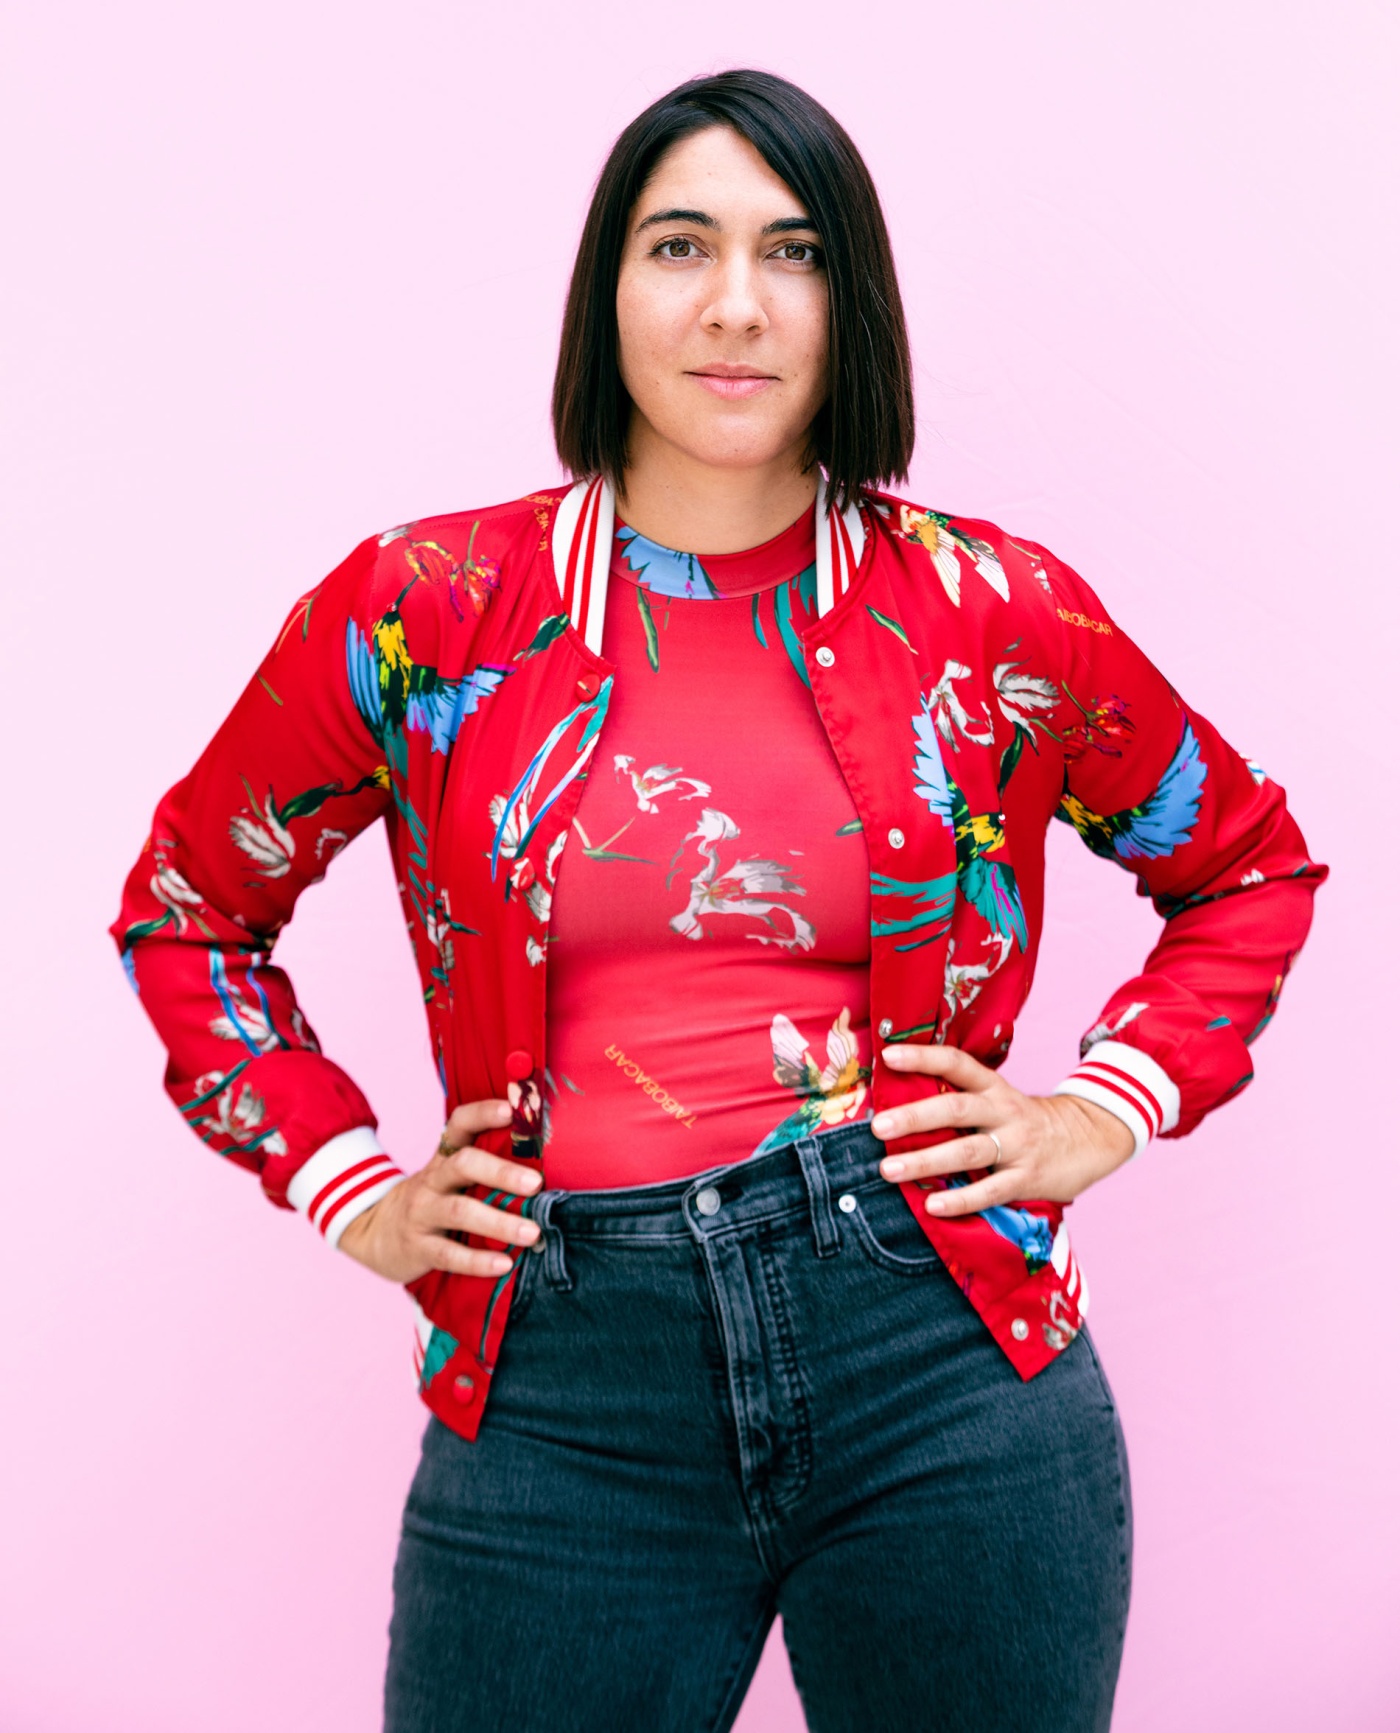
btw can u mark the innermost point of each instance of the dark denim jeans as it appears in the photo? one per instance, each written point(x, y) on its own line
point(758, 1390)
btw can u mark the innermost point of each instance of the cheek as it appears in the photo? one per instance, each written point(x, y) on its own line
point(647, 330)
point(807, 324)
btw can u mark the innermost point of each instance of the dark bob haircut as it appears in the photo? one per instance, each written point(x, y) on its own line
point(864, 433)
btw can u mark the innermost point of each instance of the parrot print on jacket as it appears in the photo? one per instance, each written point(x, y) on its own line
point(434, 683)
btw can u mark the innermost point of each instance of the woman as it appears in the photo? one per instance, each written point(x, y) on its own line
point(724, 874)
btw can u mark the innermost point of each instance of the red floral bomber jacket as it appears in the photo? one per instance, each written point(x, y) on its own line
point(446, 679)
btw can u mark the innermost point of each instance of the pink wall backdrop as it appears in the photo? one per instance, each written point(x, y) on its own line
point(284, 274)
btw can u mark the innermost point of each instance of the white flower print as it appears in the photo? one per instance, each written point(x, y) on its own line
point(1103, 1031)
point(268, 845)
point(657, 779)
point(745, 888)
point(237, 1113)
point(949, 716)
point(962, 982)
point(1019, 696)
point(172, 890)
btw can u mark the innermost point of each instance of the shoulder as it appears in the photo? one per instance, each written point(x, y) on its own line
point(973, 559)
point(509, 530)
point(450, 563)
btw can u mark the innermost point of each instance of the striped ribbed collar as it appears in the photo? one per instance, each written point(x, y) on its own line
point(582, 546)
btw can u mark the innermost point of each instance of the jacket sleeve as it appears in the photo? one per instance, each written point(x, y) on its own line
point(1150, 785)
point(291, 776)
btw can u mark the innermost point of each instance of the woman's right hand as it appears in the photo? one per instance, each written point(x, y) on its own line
point(404, 1235)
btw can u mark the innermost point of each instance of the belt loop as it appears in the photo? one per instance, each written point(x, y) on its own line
point(825, 1234)
point(556, 1269)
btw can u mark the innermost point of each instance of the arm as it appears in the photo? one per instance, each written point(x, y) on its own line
point(299, 768)
point(291, 776)
point(1152, 786)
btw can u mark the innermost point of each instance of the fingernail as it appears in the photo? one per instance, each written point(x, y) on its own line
point(501, 1263)
point(532, 1180)
point(889, 1053)
point(881, 1124)
point(935, 1205)
point(892, 1168)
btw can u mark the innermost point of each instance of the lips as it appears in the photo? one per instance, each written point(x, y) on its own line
point(726, 379)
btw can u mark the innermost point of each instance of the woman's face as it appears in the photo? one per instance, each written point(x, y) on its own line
point(722, 308)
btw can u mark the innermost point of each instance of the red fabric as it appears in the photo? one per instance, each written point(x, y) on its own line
point(709, 937)
point(971, 688)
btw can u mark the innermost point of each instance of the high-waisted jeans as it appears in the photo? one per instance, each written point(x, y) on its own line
point(753, 1391)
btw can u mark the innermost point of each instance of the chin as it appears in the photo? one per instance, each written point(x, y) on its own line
point(732, 448)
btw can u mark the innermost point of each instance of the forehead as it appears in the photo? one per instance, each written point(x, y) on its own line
point(722, 174)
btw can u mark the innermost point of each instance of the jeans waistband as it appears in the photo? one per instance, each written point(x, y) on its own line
point(807, 1174)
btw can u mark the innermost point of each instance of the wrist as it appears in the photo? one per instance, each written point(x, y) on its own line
point(1099, 1128)
point(342, 1181)
point(1130, 1085)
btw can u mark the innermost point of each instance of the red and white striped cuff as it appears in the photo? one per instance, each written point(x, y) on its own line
point(1127, 1082)
point(342, 1180)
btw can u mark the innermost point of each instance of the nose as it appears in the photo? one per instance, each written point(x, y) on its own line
point(735, 305)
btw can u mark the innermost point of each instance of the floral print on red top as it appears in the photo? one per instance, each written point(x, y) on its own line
point(707, 916)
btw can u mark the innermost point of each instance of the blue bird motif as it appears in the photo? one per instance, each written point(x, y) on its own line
point(1156, 827)
point(989, 885)
point(936, 894)
point(394, 693)
point(1028, 1232)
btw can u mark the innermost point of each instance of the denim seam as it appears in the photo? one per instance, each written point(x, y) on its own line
point(737, 1415)
point(1121, 1484)
point(728, 1708)
point(887, 1260)
point(526, 1283)
point(780, 1301)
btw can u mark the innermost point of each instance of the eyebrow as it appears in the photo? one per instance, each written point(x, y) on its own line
point(703, 220)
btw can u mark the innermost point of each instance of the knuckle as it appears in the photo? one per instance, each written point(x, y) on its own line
point(446, 1212)
point(469, 1163)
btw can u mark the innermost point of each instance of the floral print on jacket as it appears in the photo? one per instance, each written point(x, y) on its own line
point(972, 687)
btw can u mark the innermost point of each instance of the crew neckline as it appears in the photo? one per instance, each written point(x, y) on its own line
point(649, 565)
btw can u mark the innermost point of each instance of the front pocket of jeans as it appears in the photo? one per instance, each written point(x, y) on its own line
point(889, 1233)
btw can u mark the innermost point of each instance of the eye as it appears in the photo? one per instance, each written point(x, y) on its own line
point(677, 247)
point(798, 253)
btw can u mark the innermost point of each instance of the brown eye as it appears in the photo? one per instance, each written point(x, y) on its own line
point(798, 253)
point(677, 249)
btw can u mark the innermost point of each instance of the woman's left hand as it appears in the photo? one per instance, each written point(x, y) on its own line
point(1052, 1146)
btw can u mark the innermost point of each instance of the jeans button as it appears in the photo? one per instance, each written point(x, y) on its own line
point(707, 1201)
point(846, 1202)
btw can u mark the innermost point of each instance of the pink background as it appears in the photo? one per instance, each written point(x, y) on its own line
point(288, 274)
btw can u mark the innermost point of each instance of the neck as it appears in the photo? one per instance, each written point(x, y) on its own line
point(674, 499)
